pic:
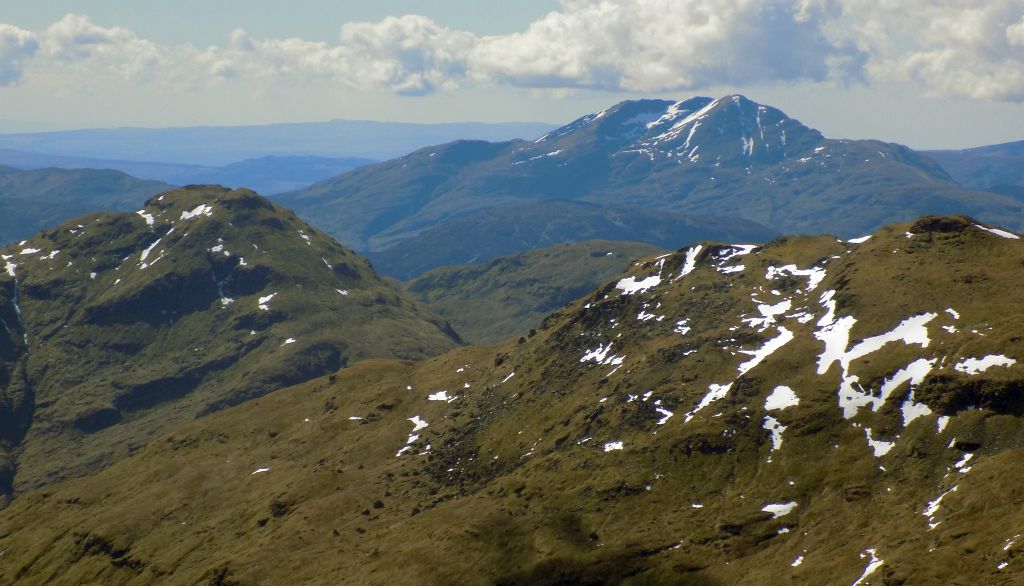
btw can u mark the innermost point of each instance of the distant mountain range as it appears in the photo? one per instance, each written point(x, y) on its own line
point(727, 157)
point(811, 411)
point(116, 327)
point(996, 166)
point(267, 175)
point(217, 146)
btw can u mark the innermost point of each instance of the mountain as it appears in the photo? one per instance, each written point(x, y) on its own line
point(272, 174)
point(222, 145)
point(33, 200)
point(509, 296)
point(121, 326)
point(811, 411)
point(984, 167)
point(482, 236)
point(726, 157)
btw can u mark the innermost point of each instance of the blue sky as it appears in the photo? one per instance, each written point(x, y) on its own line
point(928, 73)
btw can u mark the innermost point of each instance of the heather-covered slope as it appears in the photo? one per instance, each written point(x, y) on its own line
point(121, 326)
point(811, 411)
point(509, 296)
point(729, 157)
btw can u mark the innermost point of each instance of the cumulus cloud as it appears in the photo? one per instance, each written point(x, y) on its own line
point(969, 48)
point(410, 55)
point(657, 45)
point(16, 46)
point(75, 38)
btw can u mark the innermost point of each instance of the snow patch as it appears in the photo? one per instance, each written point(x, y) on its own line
point(264, 302)
point(872, 566)
point(972, 366)
point(781, 398)
point(690, 262)
point(998, 232)
point(765, 351)
point(630, 285)
point(200, 210)
point(779, 509)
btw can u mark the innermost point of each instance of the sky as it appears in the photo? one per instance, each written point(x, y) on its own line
point(926, 73)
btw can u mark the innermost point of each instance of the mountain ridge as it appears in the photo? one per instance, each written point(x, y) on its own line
point(812, 410)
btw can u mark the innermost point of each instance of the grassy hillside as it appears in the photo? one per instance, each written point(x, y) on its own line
point(811, 411)
point(122, 326)
point(509, 296)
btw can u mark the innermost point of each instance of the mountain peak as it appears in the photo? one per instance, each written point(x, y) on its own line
point(121, 325)
point(728, 128)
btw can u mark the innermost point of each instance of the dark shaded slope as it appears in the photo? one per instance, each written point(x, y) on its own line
point(509, 296)
point(984, 167)
point(486, 235)
point(33, 200)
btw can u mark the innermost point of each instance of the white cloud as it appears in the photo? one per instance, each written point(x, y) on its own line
point(658, 45)
point(1015, 33)
point(75, 39)
point(972, 48)
point(16, 46)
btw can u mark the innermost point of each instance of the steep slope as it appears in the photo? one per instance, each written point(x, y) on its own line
point(489, 234)
point(984, 167)
point(727, 157)
point(122, 326)
point(811, 411)
point(509, 296)
point(33, 200)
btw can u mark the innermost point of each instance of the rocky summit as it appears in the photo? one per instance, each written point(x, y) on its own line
point(117, 327)
point(812, 410)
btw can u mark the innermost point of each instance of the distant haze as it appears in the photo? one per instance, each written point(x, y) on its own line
point(224, 145)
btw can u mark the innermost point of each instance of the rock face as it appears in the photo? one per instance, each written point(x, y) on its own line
point(728, 157)
point(810, 411)
point(118, 327)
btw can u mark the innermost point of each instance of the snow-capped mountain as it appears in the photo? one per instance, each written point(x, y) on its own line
point(728, 157)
